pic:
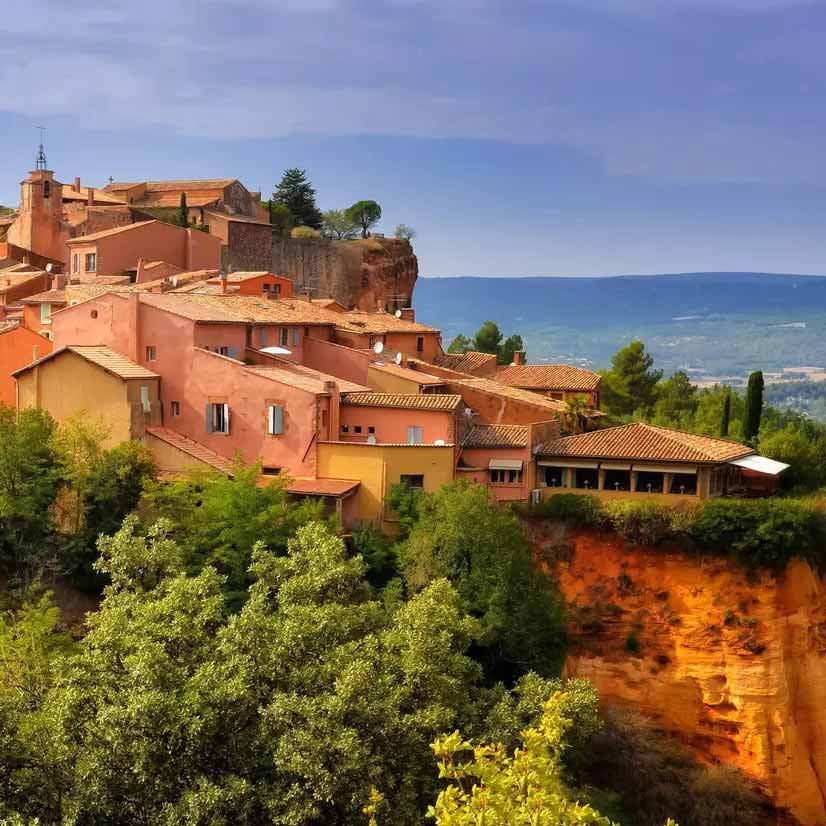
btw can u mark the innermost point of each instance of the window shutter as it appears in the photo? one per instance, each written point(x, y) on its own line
point(209, 427)
point(277, 419)
point(226, 418)
point(232, 352)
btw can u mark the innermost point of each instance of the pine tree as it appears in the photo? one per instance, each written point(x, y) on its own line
point(182, 215)
point(754, 407)
point(726, 418)
point(295, 192)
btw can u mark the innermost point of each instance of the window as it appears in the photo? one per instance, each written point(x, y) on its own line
point(45, 313)
point(176, 408)
point(414, 435)
point(345, 428)
point(217, 418)
point(357, 428)
point(91, 262)
point(284, 334)
point(420, 344)
point(226, 350)
point(262, 337)
point(73, 302)
point(295, 336)
point(145, 403)
point(266, 287)
point(276, 288)
point(371, 429)
point(151, 353)
point(46, 334)
point(275, 419)
point(75, 263)
point(269, 470)
point(556, 396)
point(505, 477)
point(414, 481)
point(47, 189)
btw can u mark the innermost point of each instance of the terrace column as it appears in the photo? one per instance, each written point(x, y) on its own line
point(600, 479)
point(666, 482)
point(570, 477)
point(633, 481)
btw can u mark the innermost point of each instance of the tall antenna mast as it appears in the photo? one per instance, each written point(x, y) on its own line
point(40, 162)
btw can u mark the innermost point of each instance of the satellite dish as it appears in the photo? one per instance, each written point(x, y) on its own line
point(439, 442)
point(398, 313)
point(398, 358)
point(371, 439)
point(174, 280)
point(48, 267)
point(378, 347)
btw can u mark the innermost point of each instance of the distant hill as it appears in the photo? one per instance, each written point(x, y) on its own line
point(725, 323)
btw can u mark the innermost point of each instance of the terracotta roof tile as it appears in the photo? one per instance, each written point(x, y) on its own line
point(406, 373)
point(473, 362)
point(167, 186)
point(304, 378)
point(496, 435)
point(646, 442)
point(8, 326)
point(110, 360)
point(105, 233)
point(495, 388)
point(48, 297)
point(547, 377)
point(192, 448)
point(320, 487)
point(421, 401)
point(357, 321)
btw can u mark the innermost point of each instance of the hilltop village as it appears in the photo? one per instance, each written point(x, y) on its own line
point(186, 339)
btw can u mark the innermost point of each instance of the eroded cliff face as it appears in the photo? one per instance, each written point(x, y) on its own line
point(355, 273)
point(734, 668)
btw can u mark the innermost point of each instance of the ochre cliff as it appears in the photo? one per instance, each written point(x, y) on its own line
point(377, 274)
point(733, 666)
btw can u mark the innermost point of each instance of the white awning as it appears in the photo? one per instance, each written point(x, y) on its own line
point(760, 464)
point(505, 464)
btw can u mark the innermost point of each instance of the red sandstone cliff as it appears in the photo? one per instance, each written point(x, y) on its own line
point(734, 668)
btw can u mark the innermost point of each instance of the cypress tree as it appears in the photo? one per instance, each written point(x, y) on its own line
point(182, 215)
point(726, 419)
point(754, 407)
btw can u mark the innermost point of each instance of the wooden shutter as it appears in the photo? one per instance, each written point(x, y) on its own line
point(209, 427)
point(226, 418)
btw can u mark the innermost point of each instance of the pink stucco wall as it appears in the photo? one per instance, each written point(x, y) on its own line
point(337, 360)
point(479, 458)
point(391, 424)
point(103, 320)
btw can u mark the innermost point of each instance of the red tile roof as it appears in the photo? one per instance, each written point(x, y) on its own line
point(495, 388)
point(496, 435)
point(411, 401)
point(192, 448)
point(645, 442)
point(358, 321)
point(405, 373)
point(321, 487)
point(547, 377)
point(110, 360)
point(473, 362)
point(105, 233)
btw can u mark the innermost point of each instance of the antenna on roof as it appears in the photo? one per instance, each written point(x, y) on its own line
point(378, 347)
point(398, 313)
point(398, 358)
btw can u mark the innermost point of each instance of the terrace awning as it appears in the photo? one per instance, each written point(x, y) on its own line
point(505, 464)
point(760, 464)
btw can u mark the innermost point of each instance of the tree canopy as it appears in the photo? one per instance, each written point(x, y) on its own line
point(364, 214)
point(340, 225)
point(296, 193)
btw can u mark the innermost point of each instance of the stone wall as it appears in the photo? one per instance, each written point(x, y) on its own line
point(250, 247)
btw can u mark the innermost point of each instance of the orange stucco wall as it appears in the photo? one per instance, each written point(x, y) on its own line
point(391, 424)
point(406, 343)
point(478, 460)
point(337, 360)
point(153, 241)
point(18, 348)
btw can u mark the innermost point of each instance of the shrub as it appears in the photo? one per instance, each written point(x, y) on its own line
point(372, 246)
point(305, 232)
point(571, 507)
point(644, 522)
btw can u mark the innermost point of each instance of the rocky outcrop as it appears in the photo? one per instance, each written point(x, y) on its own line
point(733, 666)
point(375, 274)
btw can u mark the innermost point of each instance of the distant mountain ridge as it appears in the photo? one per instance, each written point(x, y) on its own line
point(724, 322)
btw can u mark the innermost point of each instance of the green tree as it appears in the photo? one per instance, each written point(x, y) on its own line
point(725, 418)
point(461, 534)
point(296, 193)
point(405, 232)
point(338, 224)
point(676, 401)
point(364, 214)
point(488, 338)
point(218, 519)
point(575, 417)
point(754, 407)
point(182, 214)
point(460, 344)
point(510, 346)
point(631, 383)
point(281, 218)
point(803, 449)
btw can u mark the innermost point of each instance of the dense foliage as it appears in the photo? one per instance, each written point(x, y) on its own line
point(296, 194)
point(489, 339)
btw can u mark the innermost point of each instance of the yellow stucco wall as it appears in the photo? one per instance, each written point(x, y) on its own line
point(69, 384)
point(383, 382)
point(378, 468)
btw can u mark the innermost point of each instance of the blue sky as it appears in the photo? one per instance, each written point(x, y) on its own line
point(571, 137)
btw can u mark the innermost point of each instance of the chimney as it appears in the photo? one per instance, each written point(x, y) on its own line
point(90, 196)
point(76, 185)
point(519, 358)
point(223, 280)
point(140, 270)
point(408, 314)
point(334, 417)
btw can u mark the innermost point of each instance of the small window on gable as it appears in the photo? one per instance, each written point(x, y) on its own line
point(275, 419)
point(420, 344)
point(176, 408)
point(217, 418)
point(415, 481)
point(151, 353)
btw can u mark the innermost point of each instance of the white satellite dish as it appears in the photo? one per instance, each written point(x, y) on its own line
point(371, 439)
point(398, 358)
point(378, 347)
point(439, 442)
point(276, 351)
point(398, 313)
point(48, 267)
